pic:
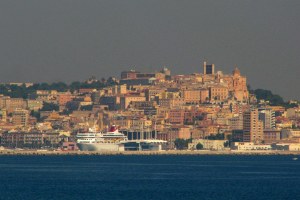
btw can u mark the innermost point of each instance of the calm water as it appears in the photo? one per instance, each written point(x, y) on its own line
point(149, 177)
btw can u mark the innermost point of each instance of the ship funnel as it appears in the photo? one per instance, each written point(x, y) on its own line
point(113, 128)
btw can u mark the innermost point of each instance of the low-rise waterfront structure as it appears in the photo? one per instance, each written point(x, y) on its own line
point(216, 145)
point(250, 146)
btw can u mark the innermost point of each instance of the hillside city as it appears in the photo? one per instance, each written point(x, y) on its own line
point(208, 110)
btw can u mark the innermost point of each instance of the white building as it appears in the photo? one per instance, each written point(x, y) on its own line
point(294, 147)
point(208, 144)
point(249, 146)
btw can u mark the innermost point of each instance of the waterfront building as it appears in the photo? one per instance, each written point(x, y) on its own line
point(272, 136)
point(250, 146)
point(217, 145)
point(69, 146)
point(237, 136)
point(139, 134)
point(267, 116)
point(30, 139)
point(290, 133)
point(252, 126)
point(294, 147)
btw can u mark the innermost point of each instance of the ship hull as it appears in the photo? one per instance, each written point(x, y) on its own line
point(100, 147)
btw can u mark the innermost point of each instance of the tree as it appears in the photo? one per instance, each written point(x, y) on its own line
point(75, 86)
point(43, 86)
point(199, 146)
point(179, 143)
point(182, 143)
point(72, 105)
point(59, 86)
point(36, 114)
point(267, 95)
point(111, 81)
point(50, 107)
point(4, 90)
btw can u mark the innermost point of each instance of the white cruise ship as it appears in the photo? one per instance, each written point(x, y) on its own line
point(112, 140)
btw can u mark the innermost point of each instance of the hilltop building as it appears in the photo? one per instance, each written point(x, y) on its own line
point(208, 69)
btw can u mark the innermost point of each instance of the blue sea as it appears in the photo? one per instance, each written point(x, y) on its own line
point(150, 177)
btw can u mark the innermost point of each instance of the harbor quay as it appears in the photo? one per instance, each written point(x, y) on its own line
point(142, 153)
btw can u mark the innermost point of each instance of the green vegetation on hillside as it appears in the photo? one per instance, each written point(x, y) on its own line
point(267, 95)
point(15, 91)
point(273, 99)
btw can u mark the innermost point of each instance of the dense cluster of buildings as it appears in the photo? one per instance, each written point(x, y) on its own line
point(156, 105)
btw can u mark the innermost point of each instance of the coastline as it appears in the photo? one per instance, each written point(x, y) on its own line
point(142, 153)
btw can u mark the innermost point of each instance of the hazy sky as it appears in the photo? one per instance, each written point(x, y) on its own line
point(68, 40)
